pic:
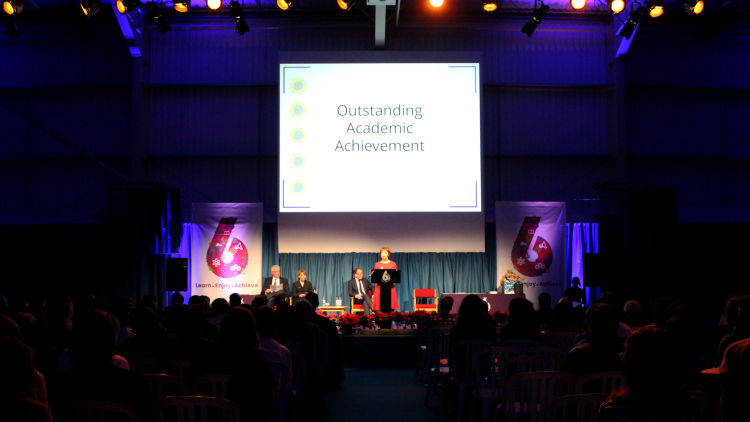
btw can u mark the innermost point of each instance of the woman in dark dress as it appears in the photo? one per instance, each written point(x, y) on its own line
point(301, 287)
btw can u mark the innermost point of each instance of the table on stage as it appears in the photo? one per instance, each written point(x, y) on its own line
point(341, 309)
point(498, 302)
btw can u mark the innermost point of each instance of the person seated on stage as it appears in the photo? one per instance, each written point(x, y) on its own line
point(651, 389)
point(335, 360)
point(601, 352)
point(472, 323)
point(237, 353)
point(358, 287)
point(385, 263)
point(97, 373)
point(443, 316)
point(235, 300)
point(301, 287)
point(522, 321)
point(276, 288)
point(545, 313)
point(564, 318)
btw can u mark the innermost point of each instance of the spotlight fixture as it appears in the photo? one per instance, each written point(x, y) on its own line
point(535, 20)
point(633, 20)
point(12, 7)
point(125, 6)
point(348, 4)
point(694, 7)
point(155, 13)
point(492, 5)
point(236, 10)
point(616, 6)
point(285, 4)
point(90, 7)
point(214, 4)
point(436, 3)
point(577, 4)
point(182, 6)
point(655, 8)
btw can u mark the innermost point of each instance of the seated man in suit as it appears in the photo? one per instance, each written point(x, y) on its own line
point(270, 289)
point(358, 288)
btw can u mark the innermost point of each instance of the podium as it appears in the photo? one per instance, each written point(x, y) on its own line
point(386, 280)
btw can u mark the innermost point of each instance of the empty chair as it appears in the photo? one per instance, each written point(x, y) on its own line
point(211, 385)
point(93, 411)
point(552, 352)
point(161, 385)
point(599, 382)
point(177, 367)
point(191, 409)
point(431, 297)
point(578, 408)
point(527, 395)
point(145, 366)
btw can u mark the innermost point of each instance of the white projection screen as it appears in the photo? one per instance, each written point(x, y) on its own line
point(380, 148)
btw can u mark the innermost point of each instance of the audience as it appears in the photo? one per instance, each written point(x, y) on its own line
point(190, 342)
point(96, 372)
point(219, 309)
point(335, 360)
point(23, 395)
point(601, 352)
point(545, 313)
point(237, 353)
point(235, 300)
point(633, 314)
point(563, 320)
point(177, 299)
point(443, 316)
point(277, 356)
point(522, 322)
point(473, 323)
point(146, 343)
point(651, 388)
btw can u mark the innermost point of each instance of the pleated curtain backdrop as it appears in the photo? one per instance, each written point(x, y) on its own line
point(582, 238)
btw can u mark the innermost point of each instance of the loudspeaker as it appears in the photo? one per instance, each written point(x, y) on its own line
point(177, 274)
point(594, 270)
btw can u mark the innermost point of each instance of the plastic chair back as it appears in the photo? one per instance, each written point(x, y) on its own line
point(598, 383)
point(177, 367)
point(578, 408)
point(93, 411)
point(213, 385)
point(562, 340)
point(161, 385)
point(520, 343)
point(145, 366)
point(527, 395)
point(195, 409)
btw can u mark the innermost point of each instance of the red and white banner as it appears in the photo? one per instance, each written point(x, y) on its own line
point(530, 247)
point(226, 254)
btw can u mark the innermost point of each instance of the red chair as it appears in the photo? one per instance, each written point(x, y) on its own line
point(426, 294)
point(358, 307)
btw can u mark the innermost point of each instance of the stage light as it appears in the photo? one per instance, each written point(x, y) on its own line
point(616, 6)
point(214, 4)
point(125, 6)
point(694, 7)
point(655, 8)
point(577, 4)
point(285, 4)
point(633, 20)
point(155, 13)
point(90, 7)
point(489, 5)
point(12, 7)
point(436, 3)
point(536, 19)
point(236, 10)
point(182, 6)
point(345, 4)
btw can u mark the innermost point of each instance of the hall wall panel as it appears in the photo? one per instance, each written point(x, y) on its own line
point(220, 57)
point(698, 182)
point(61, 58)
point(738, 129)
point(552, 121)
point(673, 57)
point(677, 123)
point(13, 186)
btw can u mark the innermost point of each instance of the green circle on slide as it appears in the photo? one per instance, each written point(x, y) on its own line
point(298, 135)
point(298, 187)
point(298, 85)
point(298, 109)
